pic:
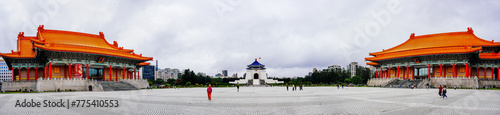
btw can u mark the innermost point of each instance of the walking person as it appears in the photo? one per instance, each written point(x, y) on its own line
point(338, 86)
point(300, 86)
point(440, 90)
point(286, 87)
point(238, 87)
point(444, 92)
point(209, 92)
point(455, 87)
point(294, 86)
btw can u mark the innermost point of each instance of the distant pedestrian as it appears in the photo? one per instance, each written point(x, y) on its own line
point(151, 88)
point(238, 87)
point(209, 92)
point(300, 86)
point(440, 90)
point(444, 92)
point(292, 88)
point(286, 87)
point(338, 86)
point(342, 86)
point(295, 86)
point(455, 87)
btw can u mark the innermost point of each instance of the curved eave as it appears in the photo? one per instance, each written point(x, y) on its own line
point(489, 56)
point(423, 52)
point(91, 50)
point(16, 55)
point(372, 63)
point(143, 64)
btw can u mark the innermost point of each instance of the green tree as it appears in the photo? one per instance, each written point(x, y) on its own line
point(188, 83)
point(357, 80)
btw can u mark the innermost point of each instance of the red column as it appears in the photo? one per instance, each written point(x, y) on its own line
point(441, 70)
point(13, 77)
point(498, 72)
point(36, 73)
point(413, 73)
point(28, 74)
point(123, 72)
point(87, 71)
point(69, 70)
point(19, 69)
point(484, 72)
point(50, 70)
point(135, 72)
point(429, 71)
point(477, 72)
point(397, 73)
point(110, 76)
point(492, 70)
point(407, 72)
point(467, 70)
point(453, 70)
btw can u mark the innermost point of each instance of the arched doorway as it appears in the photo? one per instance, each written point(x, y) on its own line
point(255, 76)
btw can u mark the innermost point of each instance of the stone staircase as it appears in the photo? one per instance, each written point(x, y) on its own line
point(116, 86)
point(404, 83)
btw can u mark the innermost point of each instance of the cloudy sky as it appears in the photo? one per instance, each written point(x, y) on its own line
point(291, 36)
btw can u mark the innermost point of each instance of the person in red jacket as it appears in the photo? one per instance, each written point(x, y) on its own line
point(209, 92)
point(440, 90)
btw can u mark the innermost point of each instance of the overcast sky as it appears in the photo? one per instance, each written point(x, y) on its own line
point(291, 36)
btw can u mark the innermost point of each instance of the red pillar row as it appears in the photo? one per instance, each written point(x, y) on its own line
point(135, 73)
point(441, 70)
point(389, 72)
point(467, 70)
point(50, 70)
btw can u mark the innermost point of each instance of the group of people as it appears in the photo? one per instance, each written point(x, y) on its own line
point(294, 87)
point(442, 91)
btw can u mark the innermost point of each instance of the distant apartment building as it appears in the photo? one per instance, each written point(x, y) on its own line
point(335, 67)
point(352, 67)
point(168, 73)
point(5, 73)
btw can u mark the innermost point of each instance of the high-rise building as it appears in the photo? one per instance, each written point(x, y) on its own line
point(224, 73)
point(352, 67)
point(5, 73)
point(148, 72)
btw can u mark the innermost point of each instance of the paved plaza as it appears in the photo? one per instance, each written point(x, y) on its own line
point(269, 100)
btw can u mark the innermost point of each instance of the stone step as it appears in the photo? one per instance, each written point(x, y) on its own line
point(116, 86)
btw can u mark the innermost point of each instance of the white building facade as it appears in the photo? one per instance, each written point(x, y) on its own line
point(5, 73)
point(256, 75)
point(168, 73)
point(352, 67)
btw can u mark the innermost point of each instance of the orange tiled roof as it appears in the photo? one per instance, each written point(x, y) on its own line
point(371, 63)
point(56, 40)
point(432, 44)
